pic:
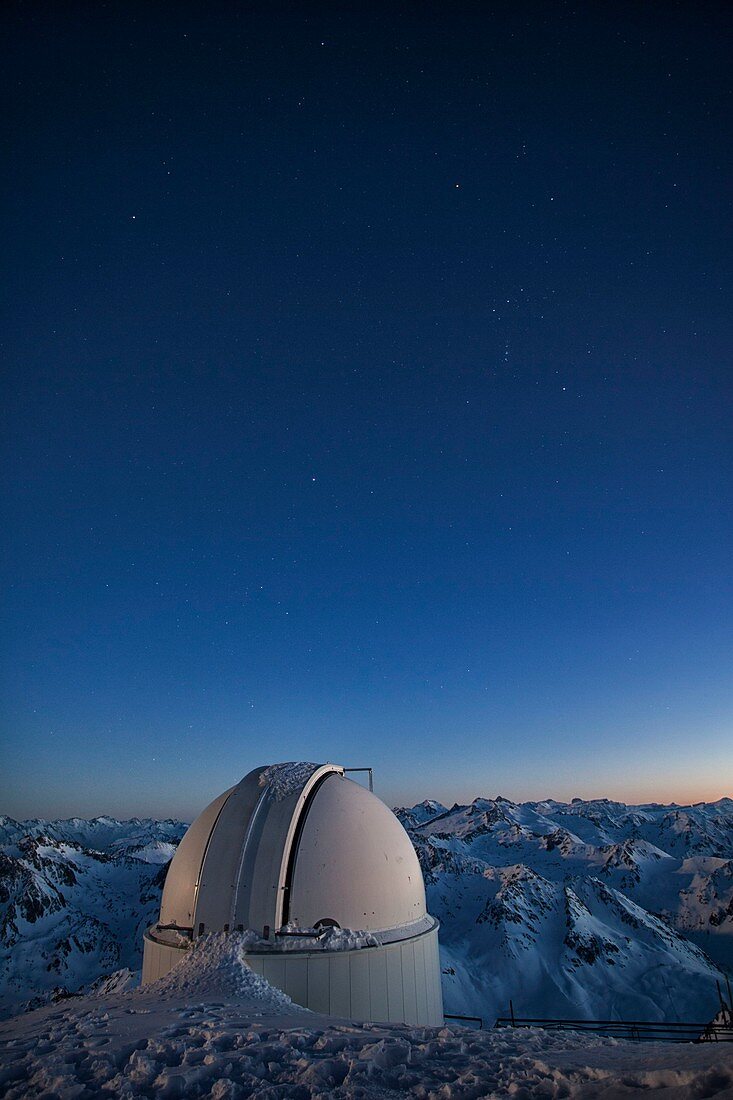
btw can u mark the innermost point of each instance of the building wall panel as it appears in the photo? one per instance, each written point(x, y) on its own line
point(408, 983)
point(319, 982)
point(340, 987)
point(296, 979)
point(379, 1008)
point(360, 994)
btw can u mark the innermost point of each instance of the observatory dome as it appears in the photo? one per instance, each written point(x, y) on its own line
point(323, 881)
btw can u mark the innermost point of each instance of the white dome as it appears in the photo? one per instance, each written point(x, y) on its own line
point(355, 863)
point(298, 843)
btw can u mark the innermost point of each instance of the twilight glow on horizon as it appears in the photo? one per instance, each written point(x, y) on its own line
point(368, 400)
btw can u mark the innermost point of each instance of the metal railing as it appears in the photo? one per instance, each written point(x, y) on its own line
point(467, 1020)
point(634, 1030)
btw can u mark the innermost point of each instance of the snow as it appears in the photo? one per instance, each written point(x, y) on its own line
point(118, 982)
point(70, 914)
point(97, 833)
point(285, 779)
point(582, 910)
point(310, 939)
point(155, 851)
point(214, 968)
point(212, 1028)
point(424, 811)
point(588, 908)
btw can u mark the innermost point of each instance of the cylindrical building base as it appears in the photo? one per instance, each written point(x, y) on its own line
point(397, 982)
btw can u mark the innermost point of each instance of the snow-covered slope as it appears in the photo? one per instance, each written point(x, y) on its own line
point(587, 909)
point(211, 1028)
point(75, 897)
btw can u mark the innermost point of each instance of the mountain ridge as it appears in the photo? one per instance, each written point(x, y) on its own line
point(588, 908)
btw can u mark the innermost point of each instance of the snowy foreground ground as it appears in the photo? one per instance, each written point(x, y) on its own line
point(212, 1028)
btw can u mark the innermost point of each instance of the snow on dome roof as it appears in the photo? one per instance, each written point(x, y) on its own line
point(294, 842)
point(283, 779)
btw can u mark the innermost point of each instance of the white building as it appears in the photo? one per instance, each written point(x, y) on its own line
point(293, 852)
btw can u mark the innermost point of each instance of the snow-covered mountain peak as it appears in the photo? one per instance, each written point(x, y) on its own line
point(579, 908)
point(75, 896)
point(585, 908)
point(424, 811)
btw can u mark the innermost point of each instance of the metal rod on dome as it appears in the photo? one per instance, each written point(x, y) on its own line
point(369, 770)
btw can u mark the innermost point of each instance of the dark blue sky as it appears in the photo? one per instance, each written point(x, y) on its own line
point(368, 400)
